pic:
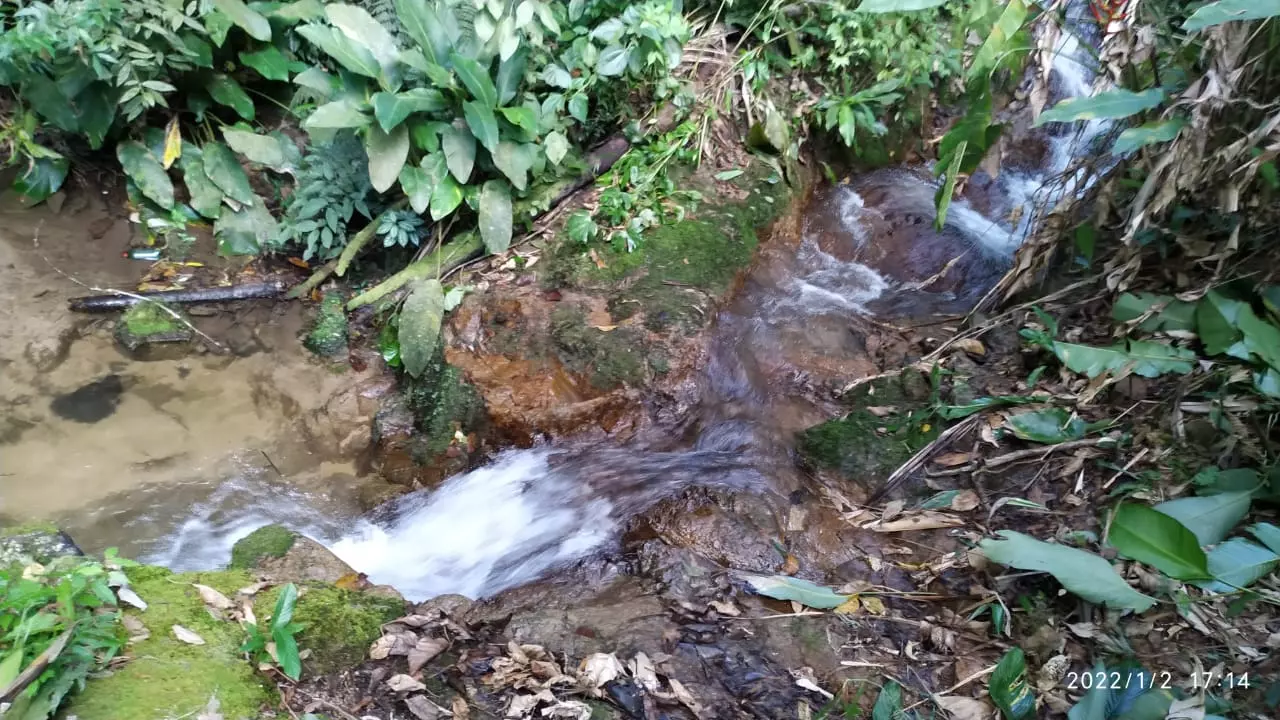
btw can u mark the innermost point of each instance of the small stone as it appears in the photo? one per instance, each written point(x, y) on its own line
point(148, 331)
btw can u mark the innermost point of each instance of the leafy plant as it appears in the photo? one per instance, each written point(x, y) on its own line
point(639, 194)
point(278, 643)
point(1009, 688)
point(1083, 573)
point(333, 185)
point(400, 228)
point(58, 624)
point(859, 111)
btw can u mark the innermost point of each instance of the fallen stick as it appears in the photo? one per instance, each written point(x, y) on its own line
point(119, 300)
point(37, 666)
point(436, 265)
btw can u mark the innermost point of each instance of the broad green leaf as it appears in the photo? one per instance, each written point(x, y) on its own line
point(578, 107)
point(581, 227)
point(1080, 572)
point(556, 146)
point(459, 147)
point(484, 126)
point(41, 178)
point(202, 51)
point(507, 38)
point(1212, 480)
point(1267, 382)
point(360, 27)
point(420, 320)
point(417, 186)
point(1218, 324)
point(146, 172)
point(522, 117)
point(1267, 533)
point(888, 703)
point(1139, 137)
point(782, 587)
point(514, 160)
point(1108, 105)
point(392, 108)
point(319, 81)
point(475, 78)
point(446, 196)
point(955, 412)
point(1173, 314)
point(222, 167)
point(269, 62)
point(342, 113)
point(495, 216)
point(510, 75)
point(11, 666)
point(419, 19)
point(206, 197)
point(217, 24)
point(226, 91)
point(1151, 537)
point(1238, 563)
point(999, 42)
point(387, 155)
point(287, 653)
point(258, 27)
point(556, 76)
point(1223, 11)
point(282, 615)
point(356, 58)
point(1009, 688)
point(261, 149)
point(1210, 517)
point(1148, 359)
point(1123, 698)
point(886, 6)
point(245, 231)
point(942, 199)
point(613, 61)
point(609, 31)
point(1049, 426)
point(728, 175)
point(298, 11)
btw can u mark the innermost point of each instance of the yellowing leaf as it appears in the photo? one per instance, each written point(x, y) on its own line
point(850, 606)
point(873, 605)
point(172, 144)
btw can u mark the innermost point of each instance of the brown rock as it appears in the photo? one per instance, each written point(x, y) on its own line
point(307, 560)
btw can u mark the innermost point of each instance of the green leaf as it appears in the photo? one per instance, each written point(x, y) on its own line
point(581, 227)
point(1148, 359)
point(146, 172)
point(269, 62)
point(261, 149)
point(387, 155)
point(42, 178)
point(356, 58)
point(446, 196)
point(613, 61)
point(578, 107)
point(282, 615)
point(1151, 537)
point(510, 75)
point(287, 653)
point(484, 126)
point(888, 703)
point(297, 11)
point(475, 79)
point(419, 19)
point(338, 114)
point(728, 175)
point(1209, 517)
point(245, 231)
point(1124, 696)
point(1238, 563)
point(258, 27)
point(1009, 687)
point(361, 28)
point(318, 81)
point(1230, 10)
point(495, 216)
point(556, 146)
point(942, 199)
point(221, 166)
point(1269, 535)
point(206, 198)
point(1080, 572)
point(420, 320)
point(417, 185)
point(459, 147)
point(556, 76)
point(955, 412)
point(999, 42)
point(202, 50)
point(1108, 105)
point(1049, 426)
point(1173, 314)
point(885, 6)
point(522, 117)
point(782, 587)
point(1153, 132)
point(391, 109)
point(514, 160)
point(11, 666)
point(226, 91)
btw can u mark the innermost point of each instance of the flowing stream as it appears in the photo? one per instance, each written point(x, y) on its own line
point(867, 247)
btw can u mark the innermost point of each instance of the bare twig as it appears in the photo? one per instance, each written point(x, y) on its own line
point(922, 456)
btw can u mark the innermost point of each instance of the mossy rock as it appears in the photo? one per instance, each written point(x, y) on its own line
point(34, 542)
point(268, 541)
point(338, 625)
point(327, 336)
point(149, 331)
point(608, 359)
point(167, 678)
point(442, 403)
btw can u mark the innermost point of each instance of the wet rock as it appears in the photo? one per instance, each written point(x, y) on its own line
point(327, 336)
point(305, 561)
point(455, 606)
point(90, 402)
point(915, 385)
point(147, 331)
point(28, 543)
point(376, 492)
point(47, 353)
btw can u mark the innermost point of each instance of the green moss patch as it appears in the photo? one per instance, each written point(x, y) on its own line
point(149, 323)
point(608, 359)
point(442, 403)
point(328, 334)
point(267, 541)
point(339, 625)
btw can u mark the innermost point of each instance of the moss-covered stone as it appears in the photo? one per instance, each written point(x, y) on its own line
point(146, 326)
point(338, 625)
point(267, 541)
point(442, 402)
point(168, 678)
point(34, 541)
point(608, 359)
point(328, 334)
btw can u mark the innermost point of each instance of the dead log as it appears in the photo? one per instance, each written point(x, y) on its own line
point(121, 301)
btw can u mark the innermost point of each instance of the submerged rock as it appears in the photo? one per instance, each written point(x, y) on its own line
point(90, 402)
point(328, 334)
point(147, 331)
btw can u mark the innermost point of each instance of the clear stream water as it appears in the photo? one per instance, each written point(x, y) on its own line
point(530, 511)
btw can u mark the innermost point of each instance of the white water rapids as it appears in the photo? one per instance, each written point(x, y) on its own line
point(523, 515)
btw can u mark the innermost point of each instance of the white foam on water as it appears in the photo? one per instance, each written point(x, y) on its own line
point(825, 284)
point(502, 525)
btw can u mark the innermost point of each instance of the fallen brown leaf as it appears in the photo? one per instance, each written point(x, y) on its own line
point(187, 636)
point(212, 598)
point(424, 651)
point(404, 683)
point(924, 520)
point(953, 459)
point(964, 708)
